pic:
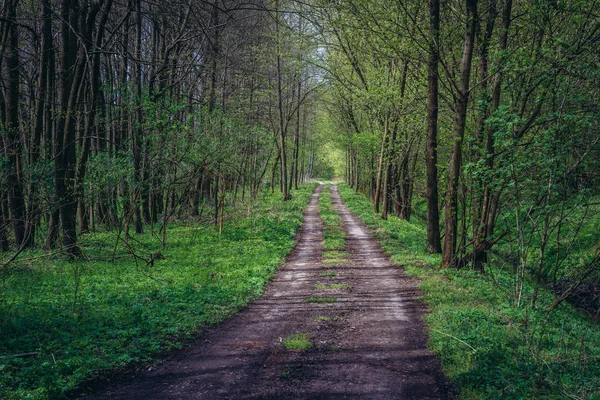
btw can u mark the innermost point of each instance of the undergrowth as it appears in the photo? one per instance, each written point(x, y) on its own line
point(85, 319)
point(489, 346)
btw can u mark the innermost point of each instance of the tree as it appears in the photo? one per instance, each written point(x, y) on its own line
point(449, 249)
point(12, 141)
point(433, 215)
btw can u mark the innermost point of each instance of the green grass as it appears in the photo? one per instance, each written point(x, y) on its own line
point(334, 237)
point(328, 255)
point(490, 347)
point(298, 342)
point(87, 318)
point(322, 318)
point(320, 300)
point(335, 257)
point(329, 261)
point(328, 273)
point(332, 286)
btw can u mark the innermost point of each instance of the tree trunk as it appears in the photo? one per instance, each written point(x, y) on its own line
point(274, 170)
point(3, 223)
point(65, 160)
point(42, 109)
point(402, 203)
point(355, 170)
point(449, 251)
point(387, 179)
point(195, 197)
point(216, 199)
point(282, 125)
point(94, 94)
point(411, 187)
point(294, 178)
point(404, 187)
point(51, 131)
point(13, 144)
point(488, 201)
point(433, 213)
point(137, 134)
point(380, 164)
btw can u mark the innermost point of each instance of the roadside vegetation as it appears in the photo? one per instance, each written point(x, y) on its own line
point(491, 341)
point(80, 320)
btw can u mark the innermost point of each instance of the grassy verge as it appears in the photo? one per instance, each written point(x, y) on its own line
point(490, 344)
point(87, 318)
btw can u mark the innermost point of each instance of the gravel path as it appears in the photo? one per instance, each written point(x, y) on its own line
point(369, 344)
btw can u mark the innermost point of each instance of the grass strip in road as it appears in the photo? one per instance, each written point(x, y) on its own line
point(328, 255)
point(320, 300)
point(334, 237)
point(87, 318)
point(332, 286)
point(335, 257)
point(298, 342)
point(490, 347)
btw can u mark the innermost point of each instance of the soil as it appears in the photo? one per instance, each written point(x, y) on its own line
point(369, 344)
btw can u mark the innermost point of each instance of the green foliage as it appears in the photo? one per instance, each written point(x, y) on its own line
point(181, 142)
point(85, 318)
point(328, 159)
point(489, 347)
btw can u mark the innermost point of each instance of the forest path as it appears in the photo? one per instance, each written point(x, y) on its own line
point(369, 343)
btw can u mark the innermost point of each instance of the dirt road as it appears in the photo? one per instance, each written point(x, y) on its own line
point(367, 344)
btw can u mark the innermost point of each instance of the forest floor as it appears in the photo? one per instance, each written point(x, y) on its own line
point(334, 324)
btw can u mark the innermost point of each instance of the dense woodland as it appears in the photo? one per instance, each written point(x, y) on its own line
point(478, 120)
point(487, 112)
point(124, 113)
